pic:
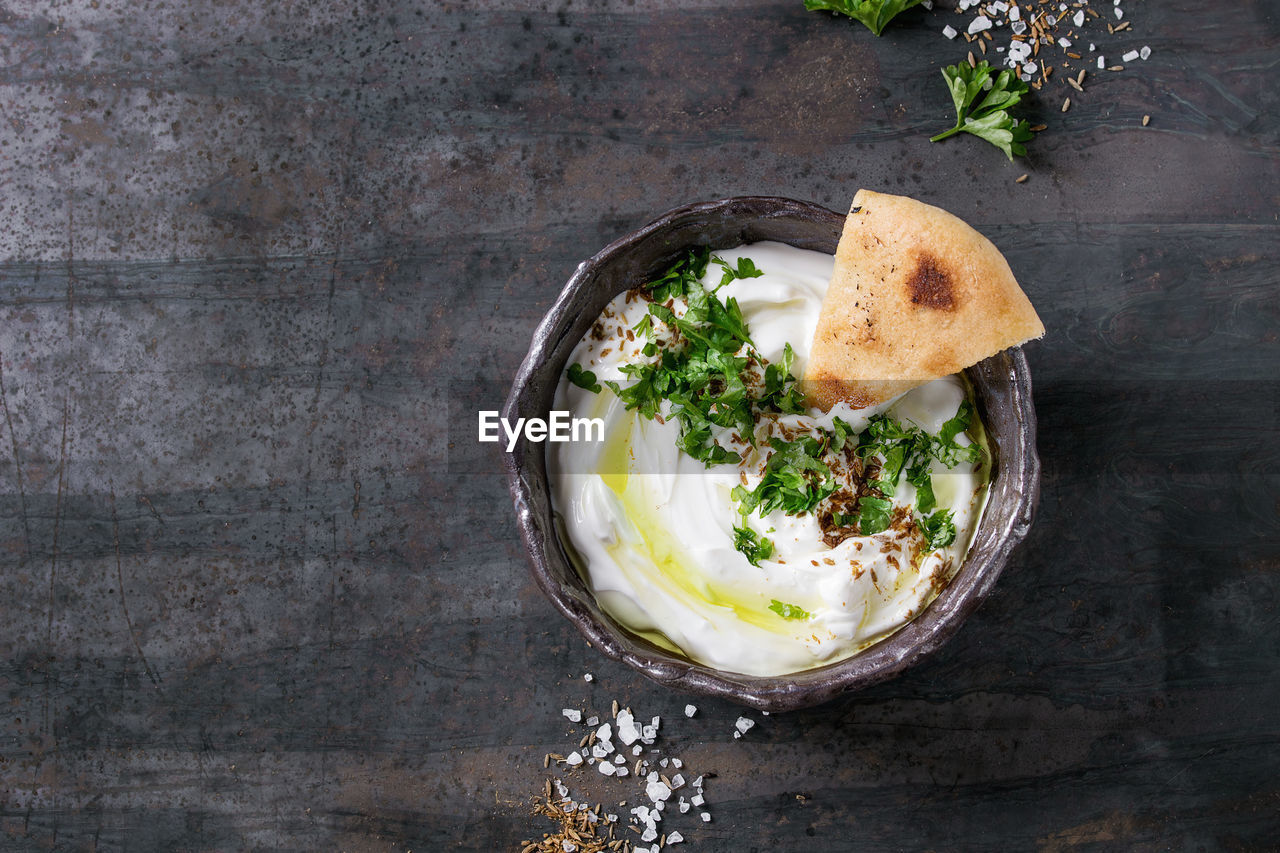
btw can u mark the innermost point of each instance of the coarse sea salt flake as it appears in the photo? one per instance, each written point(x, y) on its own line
point(593, 721)
point(1145, 53)
point(706, 817)
point(1130, 56)
point(950, 31)
point(690, 710)
point(1119, 13)
point(586, 676)
point(674, 837)
point(684, 807)
point(572, 715)
point(697, 799)
point(1102, 62)
point(979, 24)
point(607, 768)
point(1078, 18)
point(744, 724)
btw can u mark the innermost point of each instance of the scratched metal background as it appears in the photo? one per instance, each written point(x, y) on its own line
point(262, 262)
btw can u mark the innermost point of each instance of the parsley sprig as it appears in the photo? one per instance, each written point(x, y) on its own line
point(875, 14)
point(982, 105)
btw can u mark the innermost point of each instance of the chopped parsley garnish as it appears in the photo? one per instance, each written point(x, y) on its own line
point(583, 378)
point(874, 515)
point(789, 611)
point(795, 480)
point(746, 269)
point(704, 362)
point(982, 105)
point(939, 530)
point(752, 544)
point(874, 14)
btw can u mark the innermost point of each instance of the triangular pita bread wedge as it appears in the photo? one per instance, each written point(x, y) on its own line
point(916, 294)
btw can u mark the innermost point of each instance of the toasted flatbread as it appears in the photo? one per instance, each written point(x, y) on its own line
point(916, 294)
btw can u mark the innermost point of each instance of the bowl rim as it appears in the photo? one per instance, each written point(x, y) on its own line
point(918, 638)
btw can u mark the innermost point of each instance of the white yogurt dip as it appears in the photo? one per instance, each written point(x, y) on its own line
point(654, 528)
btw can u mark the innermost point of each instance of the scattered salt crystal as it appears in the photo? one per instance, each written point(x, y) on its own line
point(1078, 18)
point(743, 725)
point(677, 781)
point(573, 760)
point(950, 31)
point(674, 837)
point(1130, 56)
point(592, 721)
point(627, 731)
point(677, 763)
point(1064, 41)
point(1145, 53)
point(1030, 68)
point(601, 749)
point(637, 749)
point(979, 24)
point(684, 806)
point(649, 834)
point(619, 759)
point(697, 799)
point(1119, 13)
point(572, 715)
point(1015, 13)
point(706, 817)
point(607, 768)
point(586, 676)
point(568, 846)
point(1102, 62)
point(663, 763)
point(622, 771)
point(697, 783)
point(690, 710)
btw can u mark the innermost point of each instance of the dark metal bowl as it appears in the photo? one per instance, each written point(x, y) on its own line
point(1003, 390)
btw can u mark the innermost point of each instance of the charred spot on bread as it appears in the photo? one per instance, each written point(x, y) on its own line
point(931, 285)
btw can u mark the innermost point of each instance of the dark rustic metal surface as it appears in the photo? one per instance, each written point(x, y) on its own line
point(261, 591)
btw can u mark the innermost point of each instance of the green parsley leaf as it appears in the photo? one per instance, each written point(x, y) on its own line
point(875, 14)
point(789, 611)
point(944, 446)
point(746, 269)
point(919, 476)
point(795, 480)
point(752, 544)
point(583, 378)
point(939, 530)
point(987, 116)
point(874, 515)
point(706, 367)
